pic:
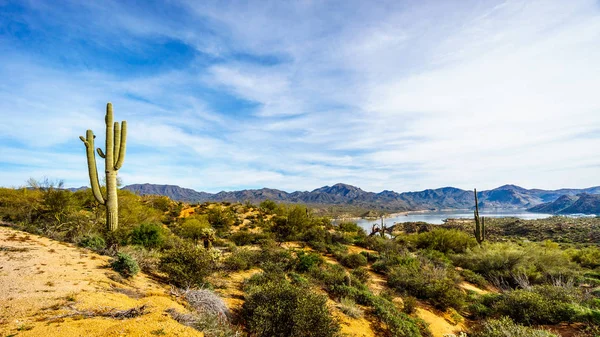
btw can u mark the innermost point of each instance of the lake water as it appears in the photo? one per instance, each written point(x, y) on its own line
point(438, 217)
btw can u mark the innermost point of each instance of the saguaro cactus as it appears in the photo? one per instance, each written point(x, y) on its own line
point(116, 138)
point(479, 223)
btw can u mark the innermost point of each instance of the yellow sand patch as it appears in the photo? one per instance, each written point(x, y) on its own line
point(438, 325)
point(355, 327)
point(49, 288)
point(186, 212)
point(358, 250)
point(471, 287)
point(230, 286)
point(376, 283)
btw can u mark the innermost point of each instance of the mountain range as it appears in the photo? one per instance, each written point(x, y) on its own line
point(505, 197)
point(583, 203)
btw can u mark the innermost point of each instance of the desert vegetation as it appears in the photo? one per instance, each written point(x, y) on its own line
point(306, 275)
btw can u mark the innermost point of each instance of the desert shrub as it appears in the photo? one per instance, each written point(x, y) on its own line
point(132, 210)
point(186, 265)
point(341, 238)
point(473, 277)
point(409, 305)
point(192, 227)
point(307, 261)
point(92, 241)
point(276, 259)
point(444, 240)
point(125, 265)
point(349, 307)
point(399, 324)
point(588, 257)
point(268, 206)
point(349, 227)
point(158, 202)
point(361, 274)
point(315, 235)
point(221, 219)
point(427, 281)
point(211, 325)
point(331, 277)
point(371, 257)
point(354, 261)
point(148, 235)
point(514, 265)
point(298, 279)
point(241, 259)
point(278, 309)
point(505, 327)
point(387, 261)
point(206, 301)
point(283, 230)
point(20, 205)
point(244, 238)
point(540, 305)
point(147, 259)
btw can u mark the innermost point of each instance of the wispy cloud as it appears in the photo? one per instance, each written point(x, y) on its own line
point(295, 95)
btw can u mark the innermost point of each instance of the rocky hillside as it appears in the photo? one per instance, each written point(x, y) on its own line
point(583, 203)
point(507, 196)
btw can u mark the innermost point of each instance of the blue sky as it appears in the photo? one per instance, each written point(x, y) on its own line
point(223, 95)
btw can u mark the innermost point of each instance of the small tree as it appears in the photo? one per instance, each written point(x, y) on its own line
point(194, 228)
point(220, 219)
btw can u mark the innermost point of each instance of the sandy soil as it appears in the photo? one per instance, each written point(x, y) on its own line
point(438, 323)
point(49, 288)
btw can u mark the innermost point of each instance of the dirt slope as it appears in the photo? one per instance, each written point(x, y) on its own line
point(49, 288)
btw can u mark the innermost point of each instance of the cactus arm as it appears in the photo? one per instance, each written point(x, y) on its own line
point(100, 153)
point(122, 145)
point(92, 170)
point(117, 136)
point(109, 138)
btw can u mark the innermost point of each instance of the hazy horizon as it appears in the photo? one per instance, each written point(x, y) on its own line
point(402, 96)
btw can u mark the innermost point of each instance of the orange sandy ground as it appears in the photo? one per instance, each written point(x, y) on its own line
point(42, 280)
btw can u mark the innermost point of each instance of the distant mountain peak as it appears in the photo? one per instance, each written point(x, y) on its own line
point(507, 196)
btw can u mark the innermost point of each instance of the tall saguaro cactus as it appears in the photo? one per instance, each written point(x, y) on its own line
point(479, 223)
point(116, 140)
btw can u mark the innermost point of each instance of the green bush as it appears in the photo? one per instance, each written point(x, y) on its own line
point(349, 227)
point(244, 238)
point(306, 261)
point(361, 274)
point(221, 219)
point(241, 259)
point(473, 277)
point(148, 235)
point(94, 242)
point(125, 265)
point(540, 305)
point(427, 281)
point(186, 265)
point(505, 327)
point(278, 309)
point(588, 257)
point(514, 264)
point(409, 305)
point(354, 261)
point(349, 307)
point(277, 259)
point(194, 228)
point(147, 259)
point(444, 240)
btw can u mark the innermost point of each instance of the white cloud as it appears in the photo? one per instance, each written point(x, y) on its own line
point(401, 96)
